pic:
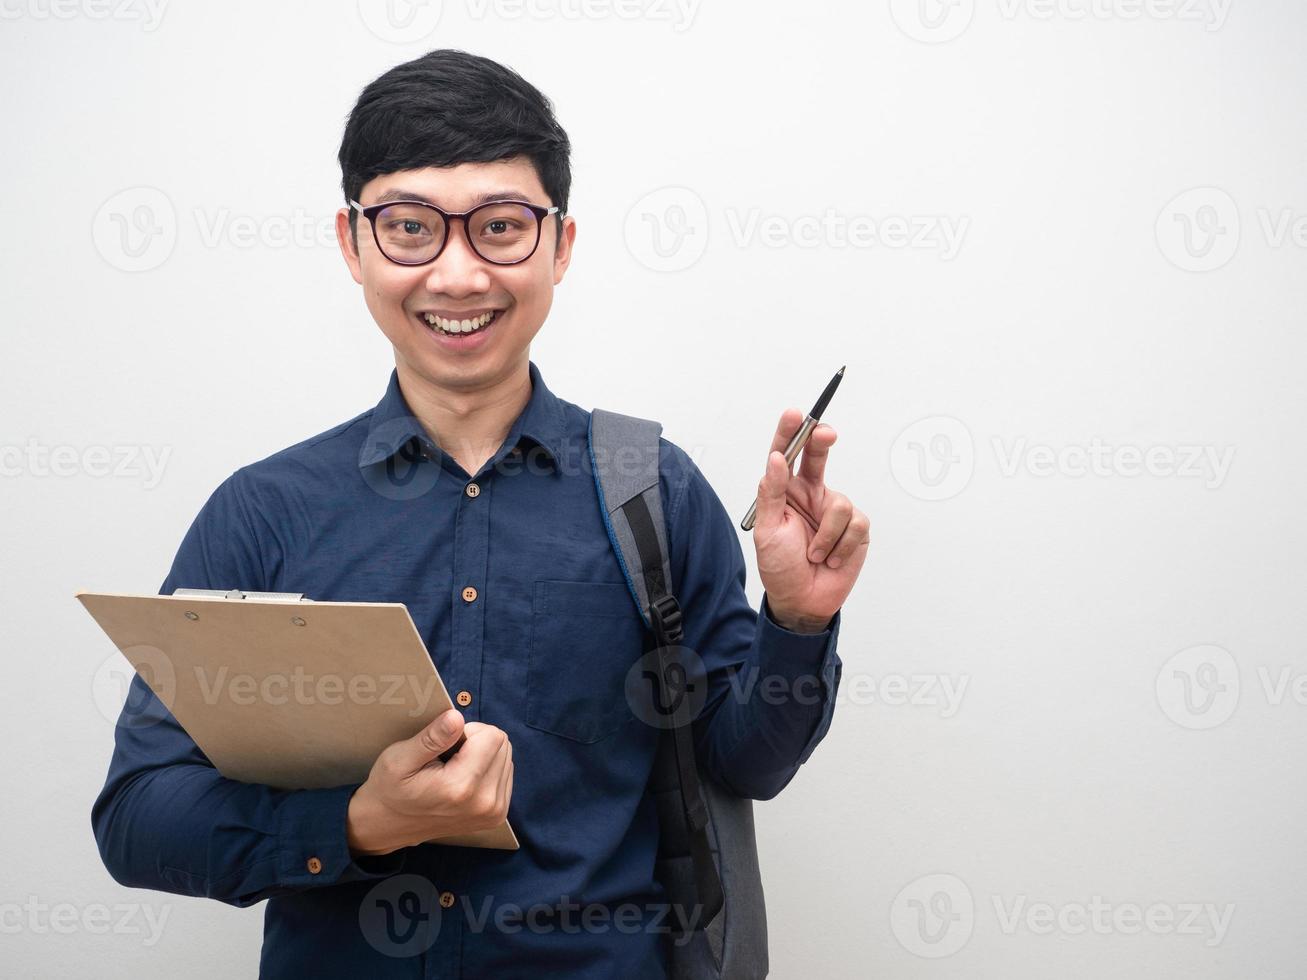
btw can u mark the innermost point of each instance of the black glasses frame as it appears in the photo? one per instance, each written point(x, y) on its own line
point(372, 210)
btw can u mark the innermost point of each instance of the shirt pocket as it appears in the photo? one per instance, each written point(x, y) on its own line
point(585, 636)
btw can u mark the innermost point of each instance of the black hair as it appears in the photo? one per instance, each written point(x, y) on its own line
point(450, 107)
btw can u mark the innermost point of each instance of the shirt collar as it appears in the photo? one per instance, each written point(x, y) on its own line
point(392, 424)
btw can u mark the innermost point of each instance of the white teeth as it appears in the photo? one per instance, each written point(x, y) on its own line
point(457, 326)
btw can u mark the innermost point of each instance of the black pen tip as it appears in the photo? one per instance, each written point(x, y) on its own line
point(825, 398)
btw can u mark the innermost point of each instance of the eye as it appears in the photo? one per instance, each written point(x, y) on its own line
point(412, 228)
point(497, 227)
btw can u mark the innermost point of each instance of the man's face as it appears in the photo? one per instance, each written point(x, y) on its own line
point(459, 284)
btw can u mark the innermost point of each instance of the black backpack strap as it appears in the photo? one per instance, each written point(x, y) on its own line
point(631, 504)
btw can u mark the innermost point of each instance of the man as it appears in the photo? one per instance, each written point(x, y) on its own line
point(467, 494)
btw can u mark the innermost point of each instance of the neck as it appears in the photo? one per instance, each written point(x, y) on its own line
point(469, 424)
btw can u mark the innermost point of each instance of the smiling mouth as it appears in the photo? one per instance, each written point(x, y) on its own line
point(455, 327)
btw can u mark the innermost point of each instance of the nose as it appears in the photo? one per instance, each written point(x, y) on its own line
point(458, 271)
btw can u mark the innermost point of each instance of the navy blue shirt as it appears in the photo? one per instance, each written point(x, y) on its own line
point(374, 511)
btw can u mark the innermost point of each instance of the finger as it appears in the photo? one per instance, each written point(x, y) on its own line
point(837, 512)
point(506, 768)
point(485, 744)
point(499, 758)
point(503, 775)
point(505, 780)
point(770, 511)
point(500, 762)
point(856, 536)
point(789, 424)
point(812, 464)
point(508, 785)
point(439, 734)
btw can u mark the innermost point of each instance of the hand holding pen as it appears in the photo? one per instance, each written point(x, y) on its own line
point(810, 540)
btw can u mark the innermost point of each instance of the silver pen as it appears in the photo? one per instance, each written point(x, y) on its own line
point(799, 440)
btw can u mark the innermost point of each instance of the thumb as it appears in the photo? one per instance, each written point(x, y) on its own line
point(440, 734)
point(771, 492)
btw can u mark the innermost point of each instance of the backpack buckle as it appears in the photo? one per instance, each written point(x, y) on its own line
point(665, 614)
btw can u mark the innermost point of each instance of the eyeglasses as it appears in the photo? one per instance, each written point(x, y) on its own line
point(415, 233)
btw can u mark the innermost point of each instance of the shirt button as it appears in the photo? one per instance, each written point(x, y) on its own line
point(472, 490)
point(469, 594)
point(315, 865)
point(464, 698)
point(446, 900)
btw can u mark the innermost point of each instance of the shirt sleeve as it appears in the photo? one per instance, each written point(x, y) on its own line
point(166, 819)
point(770, 692)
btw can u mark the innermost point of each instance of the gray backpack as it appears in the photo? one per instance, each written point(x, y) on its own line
point(707, 854)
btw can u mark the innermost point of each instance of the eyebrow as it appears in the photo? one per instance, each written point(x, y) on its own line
point(399, 194)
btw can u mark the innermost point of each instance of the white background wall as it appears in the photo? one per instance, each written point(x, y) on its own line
point(1123, 183)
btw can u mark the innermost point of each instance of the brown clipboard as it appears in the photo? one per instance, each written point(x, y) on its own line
point(280, 690)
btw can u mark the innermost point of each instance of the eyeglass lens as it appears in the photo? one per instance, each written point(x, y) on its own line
point(412, 234)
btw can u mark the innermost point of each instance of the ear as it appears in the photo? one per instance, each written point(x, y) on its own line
point(347, 247)
point(563, 250)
